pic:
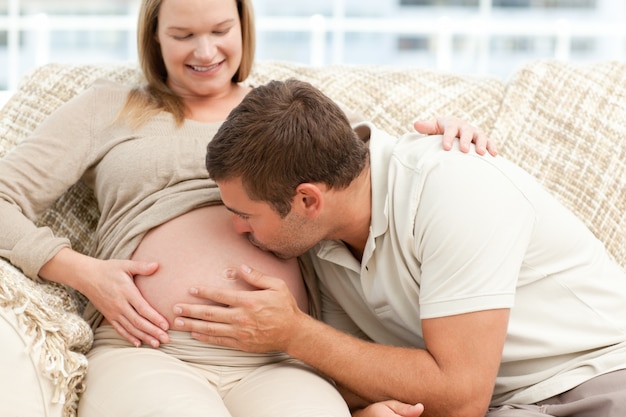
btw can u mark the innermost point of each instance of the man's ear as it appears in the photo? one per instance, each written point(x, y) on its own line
point(309, 199)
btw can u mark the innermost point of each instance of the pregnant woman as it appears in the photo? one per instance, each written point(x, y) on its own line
point(162, 229)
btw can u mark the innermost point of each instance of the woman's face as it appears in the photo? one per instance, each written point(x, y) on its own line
point(201, 45)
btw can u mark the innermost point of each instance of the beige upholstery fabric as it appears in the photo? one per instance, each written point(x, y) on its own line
point(565, 124)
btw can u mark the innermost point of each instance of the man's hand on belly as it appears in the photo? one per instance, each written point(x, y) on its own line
point(252, 321)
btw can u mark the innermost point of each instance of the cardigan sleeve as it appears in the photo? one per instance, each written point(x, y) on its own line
point(35, 174)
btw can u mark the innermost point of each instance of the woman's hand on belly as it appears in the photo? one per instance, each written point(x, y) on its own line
point(109, 285)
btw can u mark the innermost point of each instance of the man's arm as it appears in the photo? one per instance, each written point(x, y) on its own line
point(454, 376)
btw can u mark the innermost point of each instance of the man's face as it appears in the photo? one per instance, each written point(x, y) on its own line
point(286, 237)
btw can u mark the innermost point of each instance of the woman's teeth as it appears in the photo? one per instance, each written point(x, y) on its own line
point(202, 69)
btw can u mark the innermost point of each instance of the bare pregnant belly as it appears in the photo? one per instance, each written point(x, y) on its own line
point(198, 249)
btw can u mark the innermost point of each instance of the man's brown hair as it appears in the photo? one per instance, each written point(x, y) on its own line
point(283, 134)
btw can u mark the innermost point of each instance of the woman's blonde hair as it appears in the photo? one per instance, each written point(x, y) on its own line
point(155, 96)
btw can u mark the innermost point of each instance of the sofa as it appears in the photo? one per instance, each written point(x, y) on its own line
point(562, 122)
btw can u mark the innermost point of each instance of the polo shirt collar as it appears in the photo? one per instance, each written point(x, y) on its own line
point(381, 147)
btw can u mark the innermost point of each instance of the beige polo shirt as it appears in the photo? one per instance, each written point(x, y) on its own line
point(453, 233)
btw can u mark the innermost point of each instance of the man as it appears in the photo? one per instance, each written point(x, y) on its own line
point(468, 287)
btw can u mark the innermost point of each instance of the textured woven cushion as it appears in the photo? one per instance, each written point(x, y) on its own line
point(566, 124)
